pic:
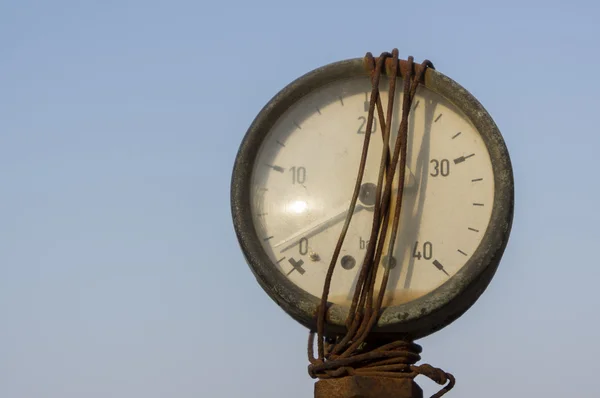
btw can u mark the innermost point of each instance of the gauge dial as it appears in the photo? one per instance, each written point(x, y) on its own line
point(304, 176)
point(294, 178)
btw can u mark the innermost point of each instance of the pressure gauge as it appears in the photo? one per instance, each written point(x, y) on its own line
point(295, 173)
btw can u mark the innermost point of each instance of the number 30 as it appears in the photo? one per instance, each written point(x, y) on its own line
point(440, 167)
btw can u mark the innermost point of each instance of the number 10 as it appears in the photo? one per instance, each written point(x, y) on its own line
point(298, 175)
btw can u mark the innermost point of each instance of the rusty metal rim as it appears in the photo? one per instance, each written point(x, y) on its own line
point(419, 317)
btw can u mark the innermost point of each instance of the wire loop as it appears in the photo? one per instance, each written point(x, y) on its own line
point(351, 354)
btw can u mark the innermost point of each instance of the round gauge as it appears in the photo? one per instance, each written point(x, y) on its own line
point(294, 178)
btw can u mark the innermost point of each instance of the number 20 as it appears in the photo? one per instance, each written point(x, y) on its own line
point(363, 124)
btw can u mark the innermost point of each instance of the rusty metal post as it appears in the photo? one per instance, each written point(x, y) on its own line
point(367, 387)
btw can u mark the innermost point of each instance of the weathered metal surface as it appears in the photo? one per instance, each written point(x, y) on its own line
point(400, 67)
point(386, 362)
point(367, 387)
point(349, 362)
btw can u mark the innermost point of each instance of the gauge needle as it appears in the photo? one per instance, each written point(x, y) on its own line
point(409, 179)
point(316, 228)
point(409, 182)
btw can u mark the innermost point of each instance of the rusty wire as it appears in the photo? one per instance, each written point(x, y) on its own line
point(351, 354)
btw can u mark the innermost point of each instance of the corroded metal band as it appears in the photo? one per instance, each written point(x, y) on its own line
point(411, 320)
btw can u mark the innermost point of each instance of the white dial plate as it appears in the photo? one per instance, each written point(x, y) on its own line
point(304, 177)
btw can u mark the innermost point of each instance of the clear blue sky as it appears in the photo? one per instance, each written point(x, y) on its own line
point(120, 274)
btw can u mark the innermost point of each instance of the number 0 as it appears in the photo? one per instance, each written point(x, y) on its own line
point(303, 246)
point(444, 167)
point(427, 250)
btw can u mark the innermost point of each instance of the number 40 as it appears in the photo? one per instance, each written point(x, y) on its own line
point(425, 252)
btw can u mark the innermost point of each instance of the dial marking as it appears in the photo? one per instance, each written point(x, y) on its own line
point(266, 239)
point(297, 125)
point(439, 266)
point(280, 143)
point(462, 158)
point(477, 204)
point(276, 168)
point(297, 266)
point(437, 118)
point(462, 252)
point(456, 135)
point(318, 110)
point(341, 100)
point(473, 229)
point(477, 179)
point(262, 214)
point(409, 274)
point(281, 259)
point(416, 104)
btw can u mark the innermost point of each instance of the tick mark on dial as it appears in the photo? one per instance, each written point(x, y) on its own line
point(297, 125)
point(318, 110)
point(297, 266)
point(456, 135)
point(280, 143)
point(281, 259)
point(462, 252)
point(341, 100)
point(270, 237)
point(462, 158)
point(477, 179)
point(477, 204)
point(473, 229)
point(276, 168)
point(439, 266)
point(437, 118)
point(262, 214)
point(416, 104)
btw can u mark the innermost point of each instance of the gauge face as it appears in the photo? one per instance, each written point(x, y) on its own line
point(304, 173)
point(295, 174)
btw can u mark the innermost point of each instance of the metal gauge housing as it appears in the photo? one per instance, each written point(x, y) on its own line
point(293, 179)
